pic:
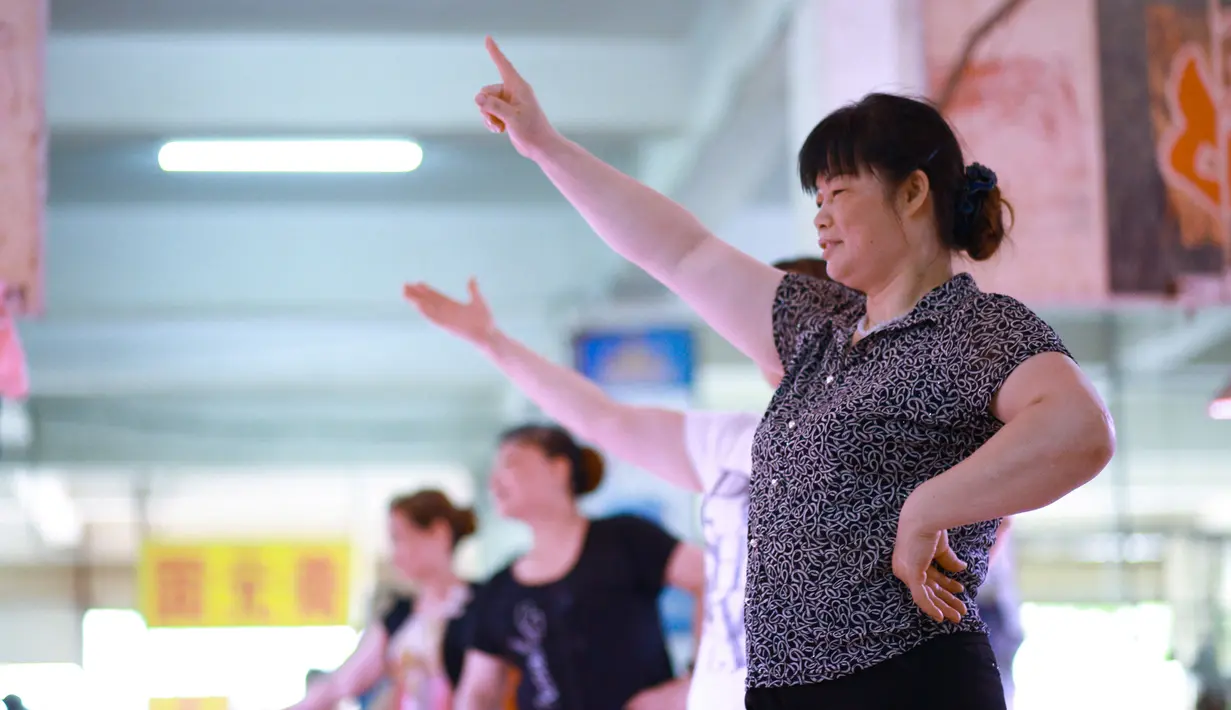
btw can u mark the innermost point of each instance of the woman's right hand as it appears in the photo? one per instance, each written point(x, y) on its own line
point(471, 321)
point(511, 107)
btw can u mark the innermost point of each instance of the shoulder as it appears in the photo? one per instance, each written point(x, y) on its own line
point(620, 521)
point(396, 612)
point(720, 440)
point(806, 295)
point(996, 322)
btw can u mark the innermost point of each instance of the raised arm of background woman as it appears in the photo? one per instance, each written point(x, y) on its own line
point(729, 289)
point(649, 437)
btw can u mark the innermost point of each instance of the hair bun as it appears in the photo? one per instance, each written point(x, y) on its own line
point(464, 522)
point(590, 473)
point(979, 225)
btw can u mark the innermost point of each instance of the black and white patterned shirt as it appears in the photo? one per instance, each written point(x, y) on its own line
point(849, 434)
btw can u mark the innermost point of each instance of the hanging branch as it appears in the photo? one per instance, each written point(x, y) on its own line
point(973, 40)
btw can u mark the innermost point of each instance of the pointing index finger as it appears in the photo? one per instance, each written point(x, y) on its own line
point(508, 75)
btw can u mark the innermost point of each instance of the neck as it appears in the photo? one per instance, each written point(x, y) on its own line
point(438, 585)
point(901, 292)
point(551, 529)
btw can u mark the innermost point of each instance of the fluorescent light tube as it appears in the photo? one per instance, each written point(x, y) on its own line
point(291, 156)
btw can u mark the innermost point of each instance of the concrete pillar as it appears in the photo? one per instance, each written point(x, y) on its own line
point(838, 51)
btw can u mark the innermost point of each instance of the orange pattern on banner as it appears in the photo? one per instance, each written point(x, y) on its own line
point(189, 704)
point(278, 584)
point(1193, 149)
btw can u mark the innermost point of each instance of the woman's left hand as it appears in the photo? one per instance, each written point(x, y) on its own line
point(916, 554)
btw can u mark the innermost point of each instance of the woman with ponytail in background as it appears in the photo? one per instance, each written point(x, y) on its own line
point(420, 641)
point(577, 616)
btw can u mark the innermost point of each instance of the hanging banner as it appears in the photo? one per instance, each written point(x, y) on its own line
point(1109, 125)
point(1184, 241)
point(1028, 106)
point(276, 584)
point(23, 148)
point(648, 367)
point(189, 704)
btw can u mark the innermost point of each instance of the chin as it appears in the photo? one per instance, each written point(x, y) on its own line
point(506, 509)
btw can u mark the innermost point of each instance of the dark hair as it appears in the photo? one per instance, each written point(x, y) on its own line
point(893, 136)
point(585, 464)
point(806, 265)
point(426, 507)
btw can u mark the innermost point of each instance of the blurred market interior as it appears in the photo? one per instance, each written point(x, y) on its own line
point(224, 358)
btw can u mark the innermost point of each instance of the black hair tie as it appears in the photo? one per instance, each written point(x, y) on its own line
point(978, 182)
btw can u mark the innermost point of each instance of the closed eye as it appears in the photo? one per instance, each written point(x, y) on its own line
point(820, 201)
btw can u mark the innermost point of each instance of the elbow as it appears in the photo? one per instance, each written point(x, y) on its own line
point(1095, 445)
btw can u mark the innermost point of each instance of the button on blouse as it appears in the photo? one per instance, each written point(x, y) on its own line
point(850, 432)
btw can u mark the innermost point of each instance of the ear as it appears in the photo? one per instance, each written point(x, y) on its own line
point(914, 192)
point(562, 469)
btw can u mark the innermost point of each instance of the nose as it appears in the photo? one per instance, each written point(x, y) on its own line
point(821, 220)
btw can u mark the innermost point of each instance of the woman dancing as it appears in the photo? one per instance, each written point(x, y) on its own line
point(914, 410)
point(709, 452)
point(577, 616)
point(420, 641)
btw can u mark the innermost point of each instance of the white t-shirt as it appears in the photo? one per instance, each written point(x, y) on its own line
point(720, 447)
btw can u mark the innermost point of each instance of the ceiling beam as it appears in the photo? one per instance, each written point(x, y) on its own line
point(227, 84)
point(1177, 346)
point(736, 76)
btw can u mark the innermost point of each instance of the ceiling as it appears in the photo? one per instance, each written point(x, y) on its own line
point(457, 168)
point(632, 18)
point(249, 321)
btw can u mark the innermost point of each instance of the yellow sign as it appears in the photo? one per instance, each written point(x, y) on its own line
point(279, 584)
point(189, 704)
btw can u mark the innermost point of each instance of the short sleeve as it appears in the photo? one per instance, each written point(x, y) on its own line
point(397, 615)
point(487, 628)
point(649, 547)
point(1003, 333)
point(719, 442)
point(804, 303)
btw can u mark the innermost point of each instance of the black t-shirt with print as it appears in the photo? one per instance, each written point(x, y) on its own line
point(592, 639)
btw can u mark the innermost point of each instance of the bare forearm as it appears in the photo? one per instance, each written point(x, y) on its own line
point(1046, 452)
point(644, 436)
point(638, 223)
point(732, 291)
point(474, 699)
point(563, 393)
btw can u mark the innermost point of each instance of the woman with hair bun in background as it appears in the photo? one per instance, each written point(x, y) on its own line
point(420, 641)
point(577, 616)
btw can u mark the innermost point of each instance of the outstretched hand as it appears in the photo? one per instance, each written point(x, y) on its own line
point(511, 107)
point(471, 321)
point(921, 560)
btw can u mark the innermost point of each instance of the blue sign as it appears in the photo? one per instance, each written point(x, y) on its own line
point(662, 357)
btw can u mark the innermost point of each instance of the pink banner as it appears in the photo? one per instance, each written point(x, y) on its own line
point(1028, 107)
point(23, 141)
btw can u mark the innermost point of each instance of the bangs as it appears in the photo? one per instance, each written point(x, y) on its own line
point(835, 148)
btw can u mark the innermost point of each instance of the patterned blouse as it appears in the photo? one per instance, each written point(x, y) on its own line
point(849, 434)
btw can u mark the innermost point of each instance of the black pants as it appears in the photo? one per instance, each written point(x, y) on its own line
point(953, 672)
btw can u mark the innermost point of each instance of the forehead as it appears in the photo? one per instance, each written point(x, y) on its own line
point(517, 448)
point(847, 180)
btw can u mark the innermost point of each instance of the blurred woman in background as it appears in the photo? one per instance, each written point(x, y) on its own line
point(578, 614)
point(707, 452)
point(420, 641)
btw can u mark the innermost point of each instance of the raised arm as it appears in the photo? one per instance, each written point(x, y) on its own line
point(353, 678)
point(648, 437)
point(730, 290)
